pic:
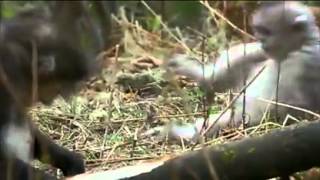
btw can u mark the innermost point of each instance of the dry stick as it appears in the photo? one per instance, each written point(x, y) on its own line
point(114, 147)
point(69, 117)
point(233, 100)
point(292, 107)
point(215, 12)
point(166, 27)
point(230, 93)
point(110, 104)
point(278, 73)
point(245, 78)
point(204, 99)
point(195, 31)
point(134, 141)
point(108, 161)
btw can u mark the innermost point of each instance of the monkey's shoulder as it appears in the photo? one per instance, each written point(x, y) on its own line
point(302, 66)
point(307, 55)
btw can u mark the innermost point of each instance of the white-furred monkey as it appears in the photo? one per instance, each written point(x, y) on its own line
point(60, 67)
point(288, 39)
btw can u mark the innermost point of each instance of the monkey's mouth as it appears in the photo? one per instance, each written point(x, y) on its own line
point(269, 49)
point(266, 47)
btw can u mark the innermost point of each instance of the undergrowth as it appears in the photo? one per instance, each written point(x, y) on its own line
point(104, 120)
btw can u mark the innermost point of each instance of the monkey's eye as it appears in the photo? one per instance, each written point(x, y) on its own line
point(299, 27)
point(262, 30)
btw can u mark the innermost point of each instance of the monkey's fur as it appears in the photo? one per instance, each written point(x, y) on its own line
point(288, 39)
point(60, 67)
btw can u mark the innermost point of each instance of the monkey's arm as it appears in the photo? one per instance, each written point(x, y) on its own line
point(231, 67)
point(48, 152)
point(226, 76)
point(15, 169)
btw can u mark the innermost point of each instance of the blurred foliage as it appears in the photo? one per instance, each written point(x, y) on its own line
point(173, 13)
point(153, 23)
point(312, 3)
point(10, 8)
point(183, 12)
point(177, 13)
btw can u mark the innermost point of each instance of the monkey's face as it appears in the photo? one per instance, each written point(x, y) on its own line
point(59, 75)
point(56, 76)
point(61, 63)
point(282, 28)
point(61, 71)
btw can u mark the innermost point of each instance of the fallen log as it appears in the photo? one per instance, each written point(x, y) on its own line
point(279, 153)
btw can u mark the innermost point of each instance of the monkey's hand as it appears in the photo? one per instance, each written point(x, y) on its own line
point(74, 165)
point(181, 64)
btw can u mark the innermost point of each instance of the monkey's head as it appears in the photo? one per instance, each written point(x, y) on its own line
point(283, 27)
point(60, 66)
point(61, 72)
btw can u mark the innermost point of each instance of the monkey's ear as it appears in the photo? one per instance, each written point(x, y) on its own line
point(301, 19)
point(300, 23)
point(46, 65)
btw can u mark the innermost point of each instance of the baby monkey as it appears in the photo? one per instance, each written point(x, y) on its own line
point(287, 49)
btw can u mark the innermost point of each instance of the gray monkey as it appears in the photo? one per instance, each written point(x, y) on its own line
point(288, 48)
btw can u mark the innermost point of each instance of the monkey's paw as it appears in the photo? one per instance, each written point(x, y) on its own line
point(182, 64)
point(74, 166)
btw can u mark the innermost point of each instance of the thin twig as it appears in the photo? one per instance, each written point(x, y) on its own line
point(234, 99)
point(166, 27)
point(215, 12)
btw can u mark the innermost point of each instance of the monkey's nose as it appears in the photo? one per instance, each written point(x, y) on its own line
point(261, 39)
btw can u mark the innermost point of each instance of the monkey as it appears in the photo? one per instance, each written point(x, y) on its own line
point(241, 58)
point(60, 68)
point(287, 48)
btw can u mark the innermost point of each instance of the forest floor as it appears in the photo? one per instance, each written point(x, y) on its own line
point(132, 94)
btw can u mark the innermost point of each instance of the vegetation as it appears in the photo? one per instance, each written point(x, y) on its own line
point(133, 93)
